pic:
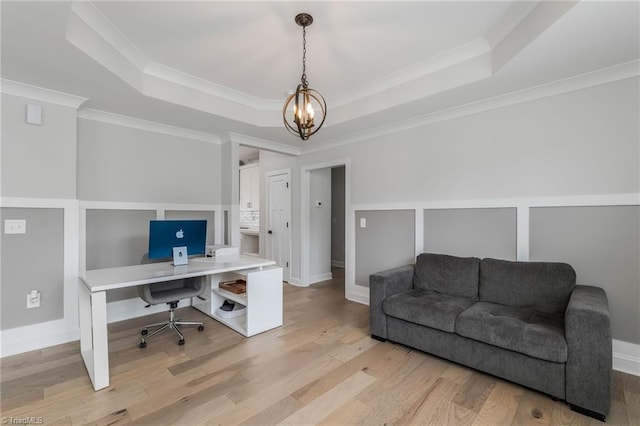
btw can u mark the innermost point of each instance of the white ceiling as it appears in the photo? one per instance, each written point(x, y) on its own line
point(220, 67)
point(226, 43)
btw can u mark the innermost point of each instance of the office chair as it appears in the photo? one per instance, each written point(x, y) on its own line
point(170, 292)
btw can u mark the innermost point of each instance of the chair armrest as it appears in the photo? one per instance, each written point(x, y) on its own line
point(588, 333)
point(382, 285)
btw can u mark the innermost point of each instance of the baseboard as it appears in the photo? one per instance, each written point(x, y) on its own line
point(320, 277)
point(37, 336)
point(296, 281)
point(626, 357)
point(337, 263)
point(358, 298)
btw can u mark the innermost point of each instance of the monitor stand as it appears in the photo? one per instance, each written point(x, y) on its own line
point(180, 256)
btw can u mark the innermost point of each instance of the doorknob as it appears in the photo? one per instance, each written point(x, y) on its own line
point(270, 231)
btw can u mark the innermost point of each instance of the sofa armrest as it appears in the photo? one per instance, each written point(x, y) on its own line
point(382, 285)
point(588, 333)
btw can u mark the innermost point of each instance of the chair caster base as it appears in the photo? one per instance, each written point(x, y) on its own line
point(181, 342)
point(144, 332)
point(142, 345)
point(200, 327)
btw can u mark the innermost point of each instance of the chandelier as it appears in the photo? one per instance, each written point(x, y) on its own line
point(306, 101)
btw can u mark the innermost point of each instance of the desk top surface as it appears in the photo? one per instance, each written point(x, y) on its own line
point(130, 276)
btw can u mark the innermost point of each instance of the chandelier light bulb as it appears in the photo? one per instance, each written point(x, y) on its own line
point(310, 110)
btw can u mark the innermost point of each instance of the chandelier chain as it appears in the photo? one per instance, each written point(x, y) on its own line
point(304, 57)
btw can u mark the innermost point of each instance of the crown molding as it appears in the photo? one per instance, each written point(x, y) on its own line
point(264, 144)
point(112, 48)
point(415, 72)
point(91, 16)
point(180, 78)
point(149, 126)
point(570, 84)
point(509, 40)
point(15, 88)
point(511, 18)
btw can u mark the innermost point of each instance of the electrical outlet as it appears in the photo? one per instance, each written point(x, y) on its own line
point(33, 299)
point(15, 226)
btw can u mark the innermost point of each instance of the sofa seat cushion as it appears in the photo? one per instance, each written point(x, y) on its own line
point(522, 330)
point(426, 308)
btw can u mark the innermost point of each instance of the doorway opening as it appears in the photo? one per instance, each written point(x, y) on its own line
point(325, 199)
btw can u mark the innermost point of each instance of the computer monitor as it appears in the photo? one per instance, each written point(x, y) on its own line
point(164, 235)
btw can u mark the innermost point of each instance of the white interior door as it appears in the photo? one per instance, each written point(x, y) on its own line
point(278, 226)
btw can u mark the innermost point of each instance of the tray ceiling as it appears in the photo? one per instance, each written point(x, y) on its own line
point(225, 67)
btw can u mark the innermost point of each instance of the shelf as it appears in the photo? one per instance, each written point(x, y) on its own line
point(238, 298)
point(238, 324)
point(264, 284)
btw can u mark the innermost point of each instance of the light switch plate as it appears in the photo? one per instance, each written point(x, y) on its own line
point(34, 114)
point(363, 222)
point(15, 226)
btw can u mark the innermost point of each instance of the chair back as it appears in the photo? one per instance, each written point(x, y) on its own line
point(147, 291)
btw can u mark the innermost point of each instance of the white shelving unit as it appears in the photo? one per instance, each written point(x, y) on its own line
point(263, 300)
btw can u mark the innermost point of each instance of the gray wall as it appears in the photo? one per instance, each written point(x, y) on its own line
point(471, 232)
point(581, 142)
point(117, 238)
point(32, 261)
point(118, 163)
point(337, 214)
point(387, 241)
point(602, 244)
point(210, 217)
point(38, 161)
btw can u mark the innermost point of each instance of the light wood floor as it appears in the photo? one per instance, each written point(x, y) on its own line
point(320, 368)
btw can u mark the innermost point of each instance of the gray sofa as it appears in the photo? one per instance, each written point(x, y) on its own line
point(527, 322)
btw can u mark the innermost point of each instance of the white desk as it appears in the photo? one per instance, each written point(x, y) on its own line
point(264, 280)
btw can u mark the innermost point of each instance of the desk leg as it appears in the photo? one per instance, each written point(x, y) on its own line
point(94, 341)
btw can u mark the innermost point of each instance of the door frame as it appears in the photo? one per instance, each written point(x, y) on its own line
point(286, 276)
point(305, 209)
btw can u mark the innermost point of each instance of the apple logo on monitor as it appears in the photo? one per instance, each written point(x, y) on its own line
point(180, 234)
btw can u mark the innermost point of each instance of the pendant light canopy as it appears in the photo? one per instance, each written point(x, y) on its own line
point(300, 108)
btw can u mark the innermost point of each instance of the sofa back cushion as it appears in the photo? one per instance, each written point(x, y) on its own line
point(544, 286)
point(456, 276)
